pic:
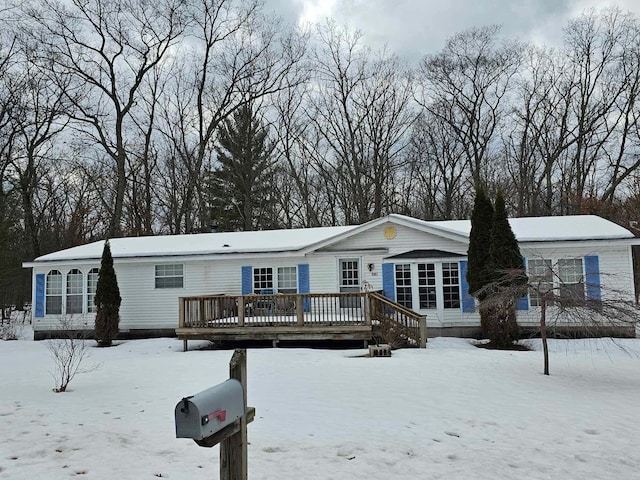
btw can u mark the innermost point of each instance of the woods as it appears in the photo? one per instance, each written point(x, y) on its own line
point(130, 118)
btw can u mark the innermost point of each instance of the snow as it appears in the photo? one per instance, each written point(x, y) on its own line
point(201, 244)
point(546, 229)
point(450, 411)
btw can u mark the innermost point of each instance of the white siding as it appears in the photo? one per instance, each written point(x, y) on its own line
point(145, 307)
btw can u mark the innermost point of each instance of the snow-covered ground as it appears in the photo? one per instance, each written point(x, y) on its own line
point(451, 411)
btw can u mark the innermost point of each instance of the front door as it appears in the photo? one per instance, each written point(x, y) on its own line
point(349, 281)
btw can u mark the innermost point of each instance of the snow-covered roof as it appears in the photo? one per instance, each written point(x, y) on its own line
point(529, 229)
point(263, 241)
point(547, 229)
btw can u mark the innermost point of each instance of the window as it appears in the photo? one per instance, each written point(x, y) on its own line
point(566, 275)
point(92, 285)
point(169, 276)
point(53, 293)
point(541, 277)
point(570, 274)
point(450, 285)
point(262, 279)
point(74, 292)
point(287, 280)
point(403, 285)
point(427, 285)
point(349, 273)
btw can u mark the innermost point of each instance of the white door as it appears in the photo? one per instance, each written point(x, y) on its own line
point(349, 280)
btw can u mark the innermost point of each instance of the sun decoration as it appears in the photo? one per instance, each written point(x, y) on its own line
point(390, 232)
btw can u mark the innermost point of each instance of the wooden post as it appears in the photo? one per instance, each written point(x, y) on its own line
point(423, 331)
point(233, 450)
point(241, 311)
point(203, 319)
point(300, 310)
point(181, 312)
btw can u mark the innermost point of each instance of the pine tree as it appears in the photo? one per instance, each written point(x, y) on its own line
point(478, 254)
point(240, 186)
point(507, 274)
point(107, 301)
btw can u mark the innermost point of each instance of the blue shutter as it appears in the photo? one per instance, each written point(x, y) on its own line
point(40, 295)
point(304, 285)
point(523, 302)
point(388, 281)
point(592, 277)
point(247, 280)
point(468, 302)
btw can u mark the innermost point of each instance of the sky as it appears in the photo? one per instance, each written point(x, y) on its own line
point(414, 28)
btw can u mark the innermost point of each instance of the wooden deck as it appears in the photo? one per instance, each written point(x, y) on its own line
point(365, 317)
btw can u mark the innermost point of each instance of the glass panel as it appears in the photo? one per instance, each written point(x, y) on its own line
point(53, 293)
point(262, 279)
point(541, 276)
point(170, 276)
point(287, 280)
point(450, 285)
point(570, 274)
point(427, 285)
point(74, 292)
point(92, 285)
point(404, 294)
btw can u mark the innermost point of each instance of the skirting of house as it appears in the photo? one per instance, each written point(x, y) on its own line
point(123, 335)
point(458, 331)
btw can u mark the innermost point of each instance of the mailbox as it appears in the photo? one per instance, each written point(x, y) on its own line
point(209, 411)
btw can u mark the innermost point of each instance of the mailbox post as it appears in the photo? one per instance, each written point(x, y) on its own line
point(220, 415)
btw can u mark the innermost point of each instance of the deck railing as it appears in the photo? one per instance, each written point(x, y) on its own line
point(303, 309)
point(395, 323)
point(390, 321)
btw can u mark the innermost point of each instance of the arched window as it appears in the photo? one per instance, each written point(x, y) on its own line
point(92, 285)
point(74, 292)
point(53, 293)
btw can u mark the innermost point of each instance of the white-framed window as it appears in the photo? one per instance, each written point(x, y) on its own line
point(404, 293)
point(571, 275)
point(263, 280)
point(563, 275)
point(427, 285)
point(53, 293)
point(540, 274)
point(92, 286)
point(285, 280)
point(74, 292)
point(169, 276)
point(450, 285)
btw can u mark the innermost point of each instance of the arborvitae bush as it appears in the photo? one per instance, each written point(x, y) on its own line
point(507, 273)
point(478, 274)
point(107, 301)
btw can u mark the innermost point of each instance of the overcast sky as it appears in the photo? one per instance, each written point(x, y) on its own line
point(413, 28)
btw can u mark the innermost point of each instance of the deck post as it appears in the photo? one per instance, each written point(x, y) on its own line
point(241, 311)
point(299, 310)
point(423, 331)
point(233, 449)
point(181, 301)
point(203, 322)
point(367, 310)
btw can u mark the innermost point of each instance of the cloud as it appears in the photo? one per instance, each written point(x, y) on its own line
point(413, 28)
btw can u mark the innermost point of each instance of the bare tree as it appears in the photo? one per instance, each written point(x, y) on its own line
point(108, 48)
point(236, 55)
point(69, 353)
point(590, 307)
point(466, 86)
point(361, 117)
